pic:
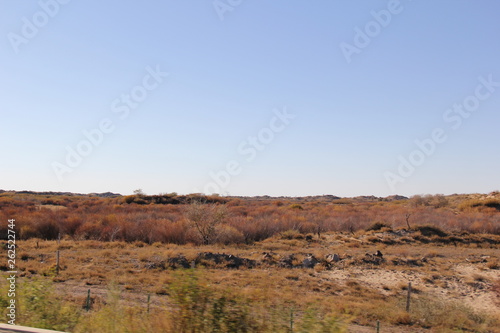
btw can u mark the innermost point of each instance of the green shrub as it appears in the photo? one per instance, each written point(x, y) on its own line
point(314, 321)
point(193, 307)
point(39, 306)
point(198, 308)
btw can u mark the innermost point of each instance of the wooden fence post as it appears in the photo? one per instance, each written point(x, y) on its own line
point(87, 305)
point(408, 298)
point(57, 263)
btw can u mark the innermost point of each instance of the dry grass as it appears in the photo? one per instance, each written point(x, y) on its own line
point(356, 288)
point(281, 266)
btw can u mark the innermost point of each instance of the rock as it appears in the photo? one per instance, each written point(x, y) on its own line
point(485, 258)
point(286, 261)
point(222, 259)
point(333, 258)
point(310, 262)
point(373, 259)
point(178, 262)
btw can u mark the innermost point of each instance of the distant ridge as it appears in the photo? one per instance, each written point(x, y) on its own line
point(101, 195)
point(324, 198)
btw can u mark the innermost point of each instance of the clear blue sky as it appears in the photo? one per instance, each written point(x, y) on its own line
point(65, 70)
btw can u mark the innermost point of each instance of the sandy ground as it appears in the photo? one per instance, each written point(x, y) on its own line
point(477, 295)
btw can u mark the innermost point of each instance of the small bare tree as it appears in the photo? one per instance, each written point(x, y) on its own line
point(139, 193)
point(114, 232)
point(407, 218)
point(205, 218)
